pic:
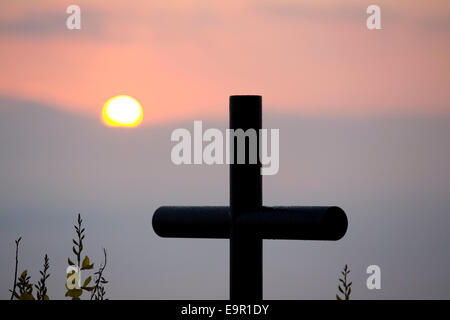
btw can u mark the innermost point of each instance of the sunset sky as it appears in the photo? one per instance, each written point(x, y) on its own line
point(363, 116)
point(183, 58)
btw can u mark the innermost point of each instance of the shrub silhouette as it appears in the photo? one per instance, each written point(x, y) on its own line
point(23, 287)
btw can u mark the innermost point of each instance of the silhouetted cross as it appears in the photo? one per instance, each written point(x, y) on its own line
point(246, 222)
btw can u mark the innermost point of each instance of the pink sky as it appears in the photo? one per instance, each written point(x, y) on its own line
point(182, 59)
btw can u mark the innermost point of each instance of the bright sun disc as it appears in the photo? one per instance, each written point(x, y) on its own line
point(122, 111)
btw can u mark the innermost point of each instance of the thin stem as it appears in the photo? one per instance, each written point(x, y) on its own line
point(80, 240)
point(15, 271)
point(345, 282)
point(99, 277)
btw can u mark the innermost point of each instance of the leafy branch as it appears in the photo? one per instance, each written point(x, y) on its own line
point(78, 245)
point(41, 287)
point(346, 288)
point(25, 287)
point(72, 286)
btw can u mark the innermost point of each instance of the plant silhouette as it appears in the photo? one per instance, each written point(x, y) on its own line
point(23, 283)
point(23, 287)
point(13, 291)
point(74, 291)
point(99, 289)
point(41, 288)
point(346, 288)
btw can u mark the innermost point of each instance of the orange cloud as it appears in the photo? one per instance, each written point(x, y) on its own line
point(184, 60)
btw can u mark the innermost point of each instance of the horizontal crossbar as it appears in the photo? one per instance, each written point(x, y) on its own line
point(295, 223)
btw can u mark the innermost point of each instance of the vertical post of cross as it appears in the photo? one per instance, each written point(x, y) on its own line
point(245, 196)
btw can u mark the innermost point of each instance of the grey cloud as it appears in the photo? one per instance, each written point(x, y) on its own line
point(390, 174)
point(165, 24)
point(355, 13)
point(51, 23)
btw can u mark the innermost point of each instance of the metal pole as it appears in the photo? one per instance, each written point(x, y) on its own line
point(245, 196)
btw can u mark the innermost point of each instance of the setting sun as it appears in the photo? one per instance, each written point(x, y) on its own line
point(122, 111)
